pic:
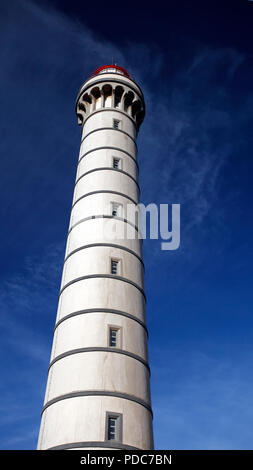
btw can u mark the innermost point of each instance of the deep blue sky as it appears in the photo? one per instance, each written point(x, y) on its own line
point(194, 62)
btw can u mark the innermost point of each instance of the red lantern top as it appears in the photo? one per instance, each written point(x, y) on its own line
point(110, 69)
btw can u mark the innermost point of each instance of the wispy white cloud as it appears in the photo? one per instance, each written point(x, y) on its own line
point(185, 155)
point(33, 286)
point(181, 153)
point(186, 145)
point(23, 438)
point(205, 401)
point(28, 302)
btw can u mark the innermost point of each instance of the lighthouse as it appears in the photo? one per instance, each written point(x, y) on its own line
point(98, 387)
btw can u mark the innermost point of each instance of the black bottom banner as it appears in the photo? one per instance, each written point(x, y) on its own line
point(112, 459)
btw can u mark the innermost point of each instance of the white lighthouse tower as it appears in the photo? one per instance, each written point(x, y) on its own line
point(98, 388)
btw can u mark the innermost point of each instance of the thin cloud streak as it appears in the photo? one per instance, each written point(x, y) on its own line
point(202, 398)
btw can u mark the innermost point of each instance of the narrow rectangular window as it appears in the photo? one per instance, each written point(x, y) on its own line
point(113, 339)
point(116, 123)
point(116, 163)
point(114, 266)
point(115, 207)
point(112, 423)
point(113, 430)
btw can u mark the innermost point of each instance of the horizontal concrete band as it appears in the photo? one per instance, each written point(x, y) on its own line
point(93, 217)
point(103, 276)
point(135, 88)
point(98, 393)
point(104, 192)
point(115, 110)
point(101, 310)
point(118, 149)
point(103, 444)
point(109, 129)
point(109, 168)
point(99, 349)
point(107, 245)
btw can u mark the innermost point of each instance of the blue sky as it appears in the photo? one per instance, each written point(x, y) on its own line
point(195, 67)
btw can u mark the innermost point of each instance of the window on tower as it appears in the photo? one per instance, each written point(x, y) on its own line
point(116, 163)
point(116, 124)
point(113, 427)
point(114, 337)
point(114, 266)
point(116, 209)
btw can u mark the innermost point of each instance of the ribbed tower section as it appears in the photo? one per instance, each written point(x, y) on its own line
point(98, 388)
